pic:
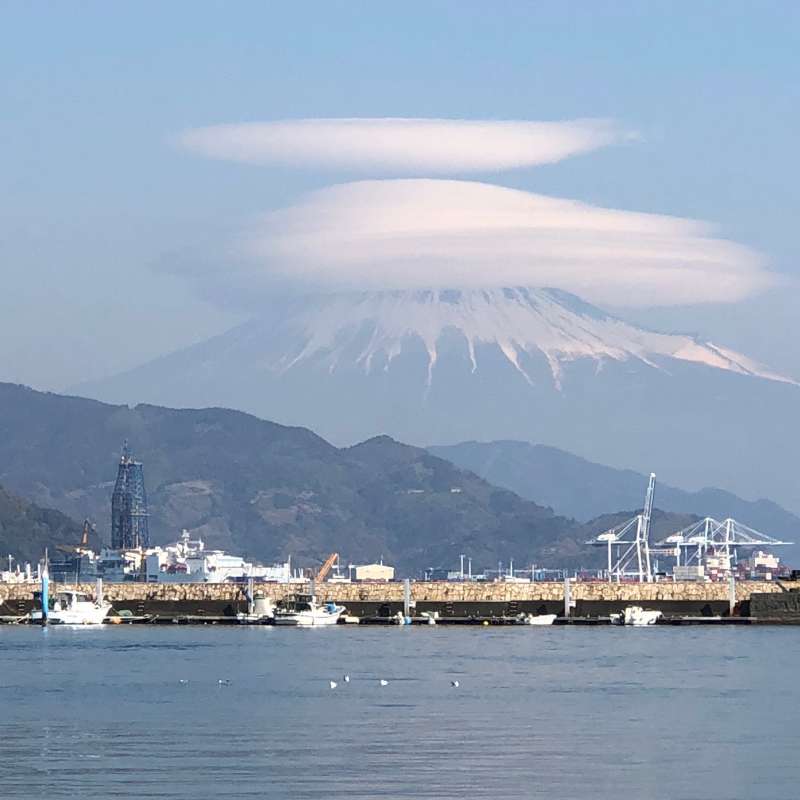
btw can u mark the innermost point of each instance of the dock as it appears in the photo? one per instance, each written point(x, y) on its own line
point(476, 621)
point(449, 603)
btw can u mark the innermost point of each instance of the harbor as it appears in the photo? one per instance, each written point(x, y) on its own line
point(137, 582)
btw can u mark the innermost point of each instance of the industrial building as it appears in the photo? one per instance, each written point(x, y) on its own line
point(373, 572)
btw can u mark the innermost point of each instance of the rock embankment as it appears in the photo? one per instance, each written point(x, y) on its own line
point(443, 592)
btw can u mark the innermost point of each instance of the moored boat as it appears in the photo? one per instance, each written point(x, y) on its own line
point(303, 610)
point(538, 619)
point(636, 616)
point(74, 608)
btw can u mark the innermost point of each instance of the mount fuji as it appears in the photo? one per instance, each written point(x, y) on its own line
point(441, 366)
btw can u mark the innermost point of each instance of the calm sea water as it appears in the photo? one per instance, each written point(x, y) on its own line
point(557, 713)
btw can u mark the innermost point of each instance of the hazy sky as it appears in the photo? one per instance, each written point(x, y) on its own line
point(119, 206)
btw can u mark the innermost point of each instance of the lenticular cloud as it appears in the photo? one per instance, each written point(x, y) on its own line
point(458, 234)
point(402, 146)
point(441, 233)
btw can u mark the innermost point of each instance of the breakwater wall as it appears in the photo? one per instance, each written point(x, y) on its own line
point(448, 599)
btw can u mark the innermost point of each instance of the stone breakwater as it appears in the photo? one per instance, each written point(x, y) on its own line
point(425, 592)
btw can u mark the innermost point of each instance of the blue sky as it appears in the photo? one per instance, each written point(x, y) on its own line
point(97, 199)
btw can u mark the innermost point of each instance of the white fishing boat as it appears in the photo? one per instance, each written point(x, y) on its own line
point(637, 616)
point(303, 610)
point(538, 619)
point(74, 608)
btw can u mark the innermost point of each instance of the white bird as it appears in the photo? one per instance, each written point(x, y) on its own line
point(384, 682)
point(455, 684)
point(333, 684)
point(183, 681)
point(347, 679)
point(224, 682)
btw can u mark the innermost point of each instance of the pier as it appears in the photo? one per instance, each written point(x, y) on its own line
point(459, 603)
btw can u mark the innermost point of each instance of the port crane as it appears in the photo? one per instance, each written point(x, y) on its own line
point(332, 559)
point(628, 544)
point(629, 550)
point(692, 545)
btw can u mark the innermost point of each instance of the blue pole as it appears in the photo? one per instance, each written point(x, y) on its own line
point(45, 592)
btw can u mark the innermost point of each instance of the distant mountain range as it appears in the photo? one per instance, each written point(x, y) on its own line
point(582, 489)
point(269, 491)
point(516, 363)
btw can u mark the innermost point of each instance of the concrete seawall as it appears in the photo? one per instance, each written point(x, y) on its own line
point(449, 599)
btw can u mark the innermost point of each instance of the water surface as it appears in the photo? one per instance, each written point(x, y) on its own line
point(540, 712)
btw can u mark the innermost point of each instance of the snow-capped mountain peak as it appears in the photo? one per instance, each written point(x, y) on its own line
point(373, 328)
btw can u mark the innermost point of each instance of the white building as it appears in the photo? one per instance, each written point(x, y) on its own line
point(17, 575)
point(373, 572)
point(188, 561)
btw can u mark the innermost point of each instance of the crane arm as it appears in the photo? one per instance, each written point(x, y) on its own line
point(326, 567)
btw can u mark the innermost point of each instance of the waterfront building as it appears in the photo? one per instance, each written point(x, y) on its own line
point(74, 567)
point(129, 514)
point(21, 574)
point(373, 572)
point(188, 561)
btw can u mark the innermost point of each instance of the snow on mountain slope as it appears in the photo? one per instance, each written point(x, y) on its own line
point(373, 328)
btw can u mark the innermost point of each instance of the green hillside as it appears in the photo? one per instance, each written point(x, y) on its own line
point(270, 491)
